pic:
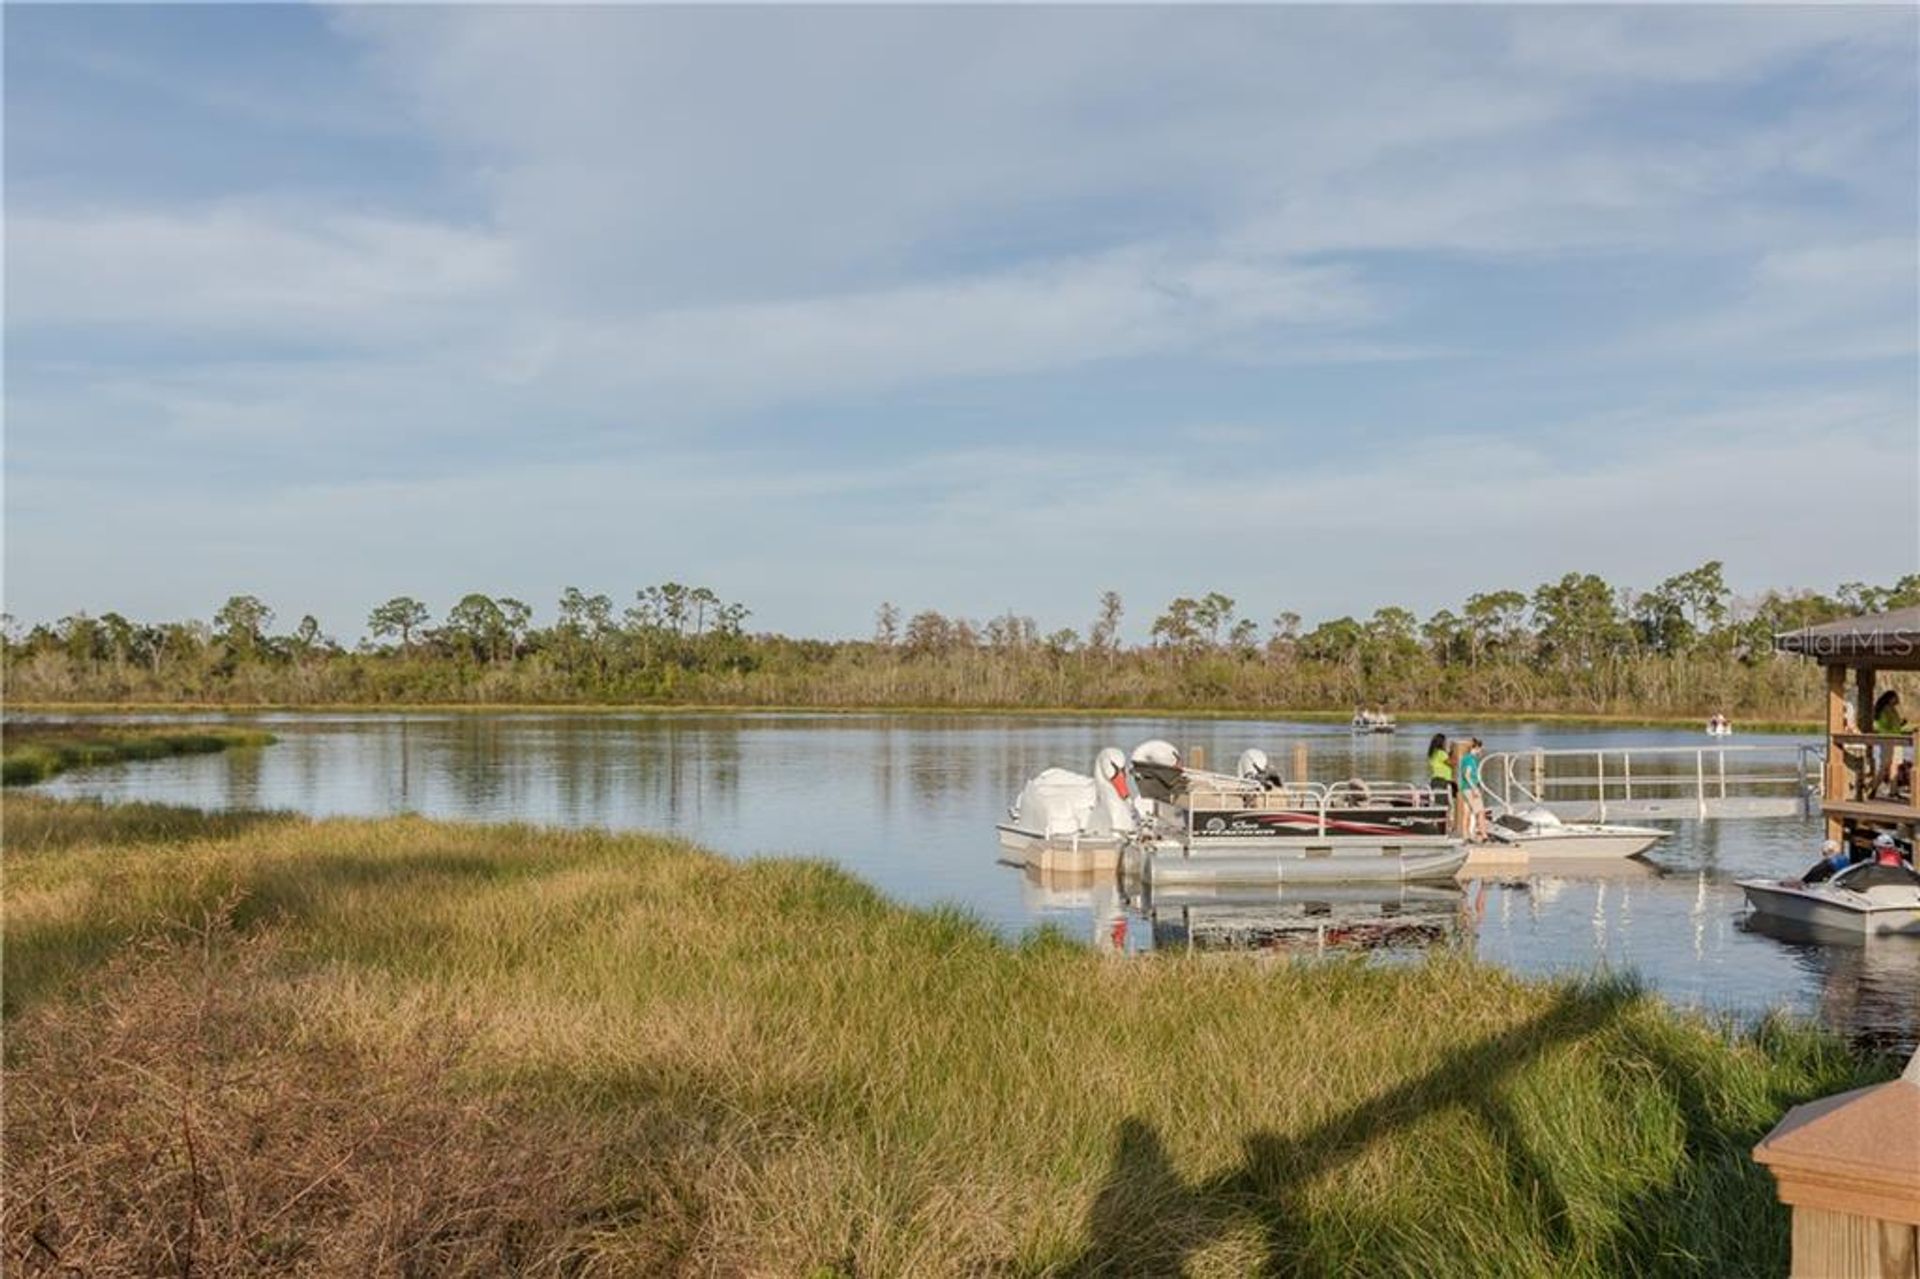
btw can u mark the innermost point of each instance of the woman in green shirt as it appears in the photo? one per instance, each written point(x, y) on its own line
point(1440, 766)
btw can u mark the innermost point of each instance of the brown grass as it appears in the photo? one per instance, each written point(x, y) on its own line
point(407, 1047)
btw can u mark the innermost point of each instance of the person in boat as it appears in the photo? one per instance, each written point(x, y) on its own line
point(1470, 794)
point(1889, 865)
point(1833, 860)
point(1440, 768)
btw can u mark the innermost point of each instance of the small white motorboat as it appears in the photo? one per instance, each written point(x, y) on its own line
point(1874, 898)
point(1540, 834)
point(1373, 722)
point(1719, 726)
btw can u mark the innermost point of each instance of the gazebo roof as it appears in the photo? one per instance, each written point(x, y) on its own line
point(1890, 639)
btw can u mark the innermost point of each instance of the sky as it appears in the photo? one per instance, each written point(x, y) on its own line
point(976, 309)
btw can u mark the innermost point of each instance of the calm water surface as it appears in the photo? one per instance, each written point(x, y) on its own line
point(909, 804)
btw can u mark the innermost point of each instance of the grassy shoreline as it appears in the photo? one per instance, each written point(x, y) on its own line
point(35, 752)
point(843, 712)
point(241, 1041)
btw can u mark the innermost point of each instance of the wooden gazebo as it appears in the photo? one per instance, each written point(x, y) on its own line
point(1852, 794)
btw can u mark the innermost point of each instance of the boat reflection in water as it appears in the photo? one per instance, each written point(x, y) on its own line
point(1866, 983)
point(1312, 919)
point(1075, 894)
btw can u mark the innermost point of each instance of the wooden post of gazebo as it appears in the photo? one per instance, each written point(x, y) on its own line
point(1849, 1166)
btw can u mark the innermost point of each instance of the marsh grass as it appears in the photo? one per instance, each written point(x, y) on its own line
point(399, 1046)
point(35, 752)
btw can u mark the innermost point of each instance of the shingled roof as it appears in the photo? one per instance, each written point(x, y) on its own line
point(1877, 639)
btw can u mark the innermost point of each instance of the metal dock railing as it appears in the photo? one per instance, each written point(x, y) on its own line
point(1671, 782)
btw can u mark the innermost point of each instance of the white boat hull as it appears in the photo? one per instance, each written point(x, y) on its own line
point(1838, 910)
point(1073, 854)
point(1573, 845)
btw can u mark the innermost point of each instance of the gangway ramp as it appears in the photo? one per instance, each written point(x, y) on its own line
point(1658, 782)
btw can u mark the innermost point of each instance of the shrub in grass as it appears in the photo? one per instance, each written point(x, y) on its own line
point(35, 753)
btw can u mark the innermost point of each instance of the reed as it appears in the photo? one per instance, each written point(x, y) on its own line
point(258, 1042)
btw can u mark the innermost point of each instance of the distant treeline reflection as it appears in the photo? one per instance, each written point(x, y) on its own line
point(1579, 645)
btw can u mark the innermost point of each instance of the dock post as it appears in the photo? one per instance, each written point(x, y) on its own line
point(1197, 757)
point(1299, 763)
point(1849, 1168)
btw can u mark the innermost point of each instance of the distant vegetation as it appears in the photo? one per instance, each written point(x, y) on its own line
point(35, 752)
point(1579, 645)
point(249, 1043)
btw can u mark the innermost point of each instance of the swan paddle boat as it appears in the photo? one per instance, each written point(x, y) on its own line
point(1064, 820)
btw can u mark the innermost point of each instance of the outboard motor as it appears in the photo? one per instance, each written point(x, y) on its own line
point(1156, 770)
point(1254, 766)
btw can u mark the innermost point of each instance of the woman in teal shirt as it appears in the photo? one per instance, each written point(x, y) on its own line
point(1470, 792)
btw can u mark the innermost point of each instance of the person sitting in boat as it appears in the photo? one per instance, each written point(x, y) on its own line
point(1889, 865)
point(1833, 860)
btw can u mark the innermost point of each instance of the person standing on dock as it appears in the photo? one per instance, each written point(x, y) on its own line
point(1440, 767)
point(1471, 797)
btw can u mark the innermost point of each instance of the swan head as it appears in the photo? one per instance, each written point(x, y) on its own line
point(1110, 768)
point(1253, 765)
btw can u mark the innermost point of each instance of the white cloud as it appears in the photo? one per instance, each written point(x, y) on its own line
point(694, 220)
point(247, 271)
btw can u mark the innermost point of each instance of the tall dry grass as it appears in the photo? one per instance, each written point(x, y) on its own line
point(645, 1059)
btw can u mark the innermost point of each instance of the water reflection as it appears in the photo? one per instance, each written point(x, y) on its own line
point(1869, 985)
point(1312, 920)
point(909, 803)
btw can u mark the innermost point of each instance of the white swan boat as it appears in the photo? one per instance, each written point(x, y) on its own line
point(1088, 816)
point(1541, 835)
point(1875, 898)
point(1373, 722)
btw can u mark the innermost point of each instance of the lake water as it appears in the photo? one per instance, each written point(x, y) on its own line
point(909, 804)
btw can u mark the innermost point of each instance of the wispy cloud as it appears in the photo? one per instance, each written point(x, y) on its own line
point(665, 265)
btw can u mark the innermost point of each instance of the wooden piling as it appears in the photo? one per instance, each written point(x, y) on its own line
point(1299, 762)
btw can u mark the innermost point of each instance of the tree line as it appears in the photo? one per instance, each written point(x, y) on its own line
point(1575, 645)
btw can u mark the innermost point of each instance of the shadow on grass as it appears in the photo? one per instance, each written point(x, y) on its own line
point(1713, 1214)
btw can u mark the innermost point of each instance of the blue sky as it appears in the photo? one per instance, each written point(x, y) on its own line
point(976, 309)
